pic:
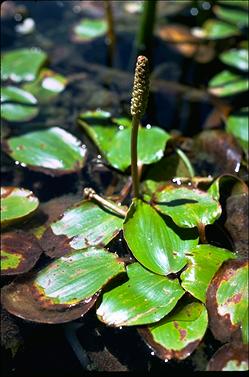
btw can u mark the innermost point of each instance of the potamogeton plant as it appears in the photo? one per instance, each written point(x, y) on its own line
point(162, 288)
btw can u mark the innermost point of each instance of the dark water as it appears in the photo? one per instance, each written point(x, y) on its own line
point(47, 350)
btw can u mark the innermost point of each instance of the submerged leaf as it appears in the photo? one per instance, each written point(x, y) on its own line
point(22, 64)
point(65, 289)
point(178, 334)
point(187, 207)
point(159, 245)
point(19, 252)
point(144, 298)
point(227, 300)
point(86, 224)
point(53, 151)
point(17, 105)
point(203, 263)
point(16, 204)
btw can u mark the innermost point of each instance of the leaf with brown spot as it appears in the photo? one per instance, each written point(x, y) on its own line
point(17, 204)
point(19, 252)
point(227, 301)
point(63, 291)
point(178, 334)
point(83, 225)
point(187, 207)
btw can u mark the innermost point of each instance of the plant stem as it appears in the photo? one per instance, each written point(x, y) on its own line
point(186, 161)
point(138, 106)
point(134, 167)
point(89, 193)
point(145, 32)
point(111, 37)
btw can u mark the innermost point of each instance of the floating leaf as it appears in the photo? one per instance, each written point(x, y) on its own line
point(237, 185)
point(159, 245)
point(178, 334)
point(187, 207)
point(65, 289)
point(86, 224)
point(151, 145)
point(113, 140)
point(237, 125)
point(186, 43)
point(215, 29)
point(53, 151)
point(19, 252)
point(48, 85)
point(16, 204)
point(89, 29)
point(237, 3)
point(230, 357)
point(227, 299)
point(227, 83)
point(144, 298)
point(22, 64)
point(237, 58)
point(234, 16)
point(17, 105)
point(203, 263)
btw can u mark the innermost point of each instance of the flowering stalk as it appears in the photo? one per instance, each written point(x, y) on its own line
point(138, 106)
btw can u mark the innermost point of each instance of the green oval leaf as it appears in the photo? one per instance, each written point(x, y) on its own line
point(187, 207)
point(203, 262)
point(113, 140)
point(227, 83)
point(19, 252)
point(151, 145)
point(53, 151)
point(157, 244)
point(47, 86)
point(22, 64)
point(227, 300)
point(215, 29)
point(63, 290)
point(237, 58)
point(88, 29)
point(178, 334)
point(17, 105)
point(237, 125)
point(144, 298)
point(234, 16)
point(86, 224)
point(76, 276)
point(16, 204)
